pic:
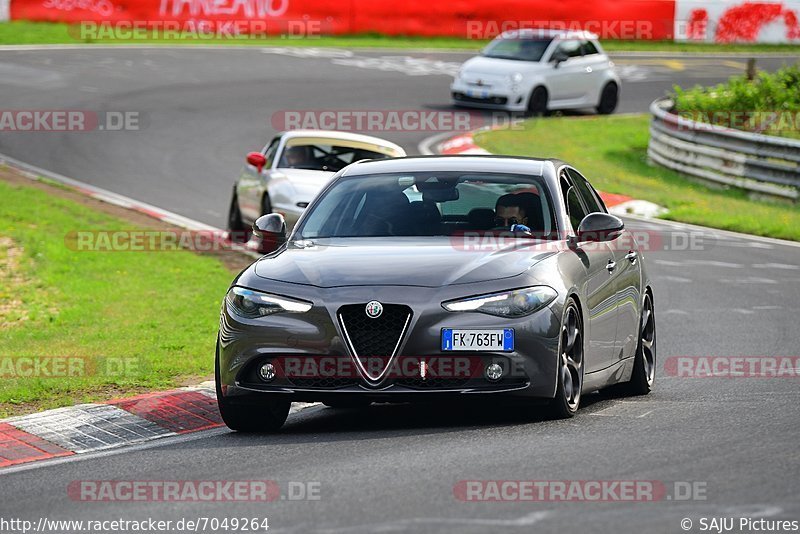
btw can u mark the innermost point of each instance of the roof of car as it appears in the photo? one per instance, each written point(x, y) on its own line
point(546, 33)
point(341, 135)
point(489, 163)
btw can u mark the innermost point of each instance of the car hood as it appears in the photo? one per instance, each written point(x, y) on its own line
point(399, 261)
point(500, 67)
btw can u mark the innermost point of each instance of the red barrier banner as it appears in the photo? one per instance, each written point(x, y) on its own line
point(733, 21)
point(480, 19)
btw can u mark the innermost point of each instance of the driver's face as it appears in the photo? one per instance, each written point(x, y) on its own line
point(293, 158)
point(508, 215)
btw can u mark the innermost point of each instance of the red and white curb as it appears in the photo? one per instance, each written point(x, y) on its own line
point(94, 427)
point(464, 144)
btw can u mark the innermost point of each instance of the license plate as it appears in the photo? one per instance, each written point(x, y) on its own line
point(483, 95)
point(478, 339)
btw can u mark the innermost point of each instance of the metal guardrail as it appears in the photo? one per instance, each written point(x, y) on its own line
point(758, 163)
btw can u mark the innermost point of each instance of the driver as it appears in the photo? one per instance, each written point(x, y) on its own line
point(295, 156)
point(510, 213)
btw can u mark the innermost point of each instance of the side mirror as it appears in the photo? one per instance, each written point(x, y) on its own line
point(257, 160)
point(269, 232)
point(558, 57)
point(599, 227)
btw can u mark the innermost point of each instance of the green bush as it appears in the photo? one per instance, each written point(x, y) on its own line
point(769, 104)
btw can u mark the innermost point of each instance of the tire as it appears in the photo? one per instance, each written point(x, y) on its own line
point(644, 365)
point(609, 98)
point(265, 416)
point(537, 103)
point(347, 404)
point(569, 378)
point(237, 231)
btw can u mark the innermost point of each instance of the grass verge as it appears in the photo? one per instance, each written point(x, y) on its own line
point(32, 33)
point(126, 322)
point(612, 153)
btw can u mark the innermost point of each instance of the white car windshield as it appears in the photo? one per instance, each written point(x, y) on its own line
point(329, 155)
point(517, 48)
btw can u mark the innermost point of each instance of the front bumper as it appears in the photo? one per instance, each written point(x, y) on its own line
point(314, 362)
point(492, 97)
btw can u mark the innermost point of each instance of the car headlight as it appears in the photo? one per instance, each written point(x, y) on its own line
point(515, 78)
point(254, 304)
point(516, 303)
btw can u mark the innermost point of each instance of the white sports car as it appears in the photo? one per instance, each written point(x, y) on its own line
point(289, 172)
point(537, 71)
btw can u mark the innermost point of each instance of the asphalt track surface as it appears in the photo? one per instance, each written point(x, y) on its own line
point(393, 468)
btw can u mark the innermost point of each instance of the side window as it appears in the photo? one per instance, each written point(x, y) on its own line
point(572, 201)
point(587, 194)
point(271, 150)
point(589, 48)
point(571, 48)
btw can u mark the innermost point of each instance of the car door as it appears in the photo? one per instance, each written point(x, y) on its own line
point(600, 307)
point(564, 79)
point(252, 183)
point(595, 65)
point(626, 276)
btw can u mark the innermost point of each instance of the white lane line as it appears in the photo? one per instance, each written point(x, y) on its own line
point(784, 266)
point(748, 280)
point(677, 279)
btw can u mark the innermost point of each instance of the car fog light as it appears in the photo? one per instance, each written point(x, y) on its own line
point(267, 372)
point(494, 371)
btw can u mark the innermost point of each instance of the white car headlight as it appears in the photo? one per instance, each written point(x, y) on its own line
point(254, 304)
point(516, 303)
point(515, 78)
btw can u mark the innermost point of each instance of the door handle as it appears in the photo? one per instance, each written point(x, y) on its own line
point(611, 266)
point(631, 256)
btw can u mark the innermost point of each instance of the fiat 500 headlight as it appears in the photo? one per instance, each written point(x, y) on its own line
point(516, 303)
point(254, 304)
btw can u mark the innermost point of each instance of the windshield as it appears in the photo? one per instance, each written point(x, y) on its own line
point(428, 204)
point(329, 154)
point(517, 48)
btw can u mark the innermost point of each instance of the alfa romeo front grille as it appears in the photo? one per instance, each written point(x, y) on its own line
point(374, 341)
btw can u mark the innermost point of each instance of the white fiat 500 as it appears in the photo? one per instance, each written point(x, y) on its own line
point(537, 71)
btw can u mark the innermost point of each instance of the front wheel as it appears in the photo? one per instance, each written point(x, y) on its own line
point(570, 364)
point(237, 231)
point(609, 97)
point(268, 415)
point(644, 364)
point(537, 103)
